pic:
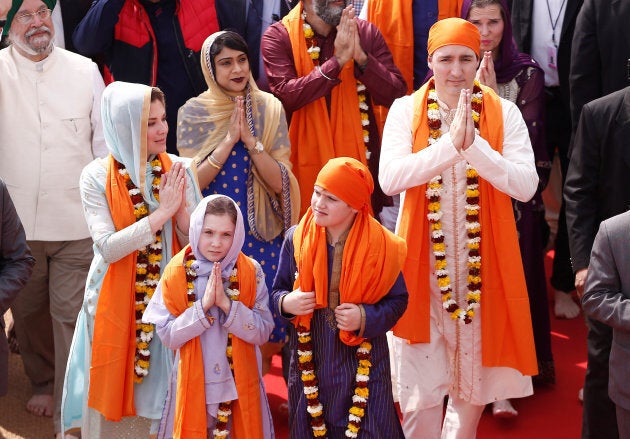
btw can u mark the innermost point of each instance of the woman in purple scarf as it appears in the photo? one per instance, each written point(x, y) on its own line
point(517, 77)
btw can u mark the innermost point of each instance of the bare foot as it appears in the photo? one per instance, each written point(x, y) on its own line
point(565, 307)
point(40, 405)
point(503, 409)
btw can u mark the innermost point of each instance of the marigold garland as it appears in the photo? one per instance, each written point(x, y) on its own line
point(311, 390)
point(314, 51)
point(225, 408)
point(473, 227)
point(148, 261)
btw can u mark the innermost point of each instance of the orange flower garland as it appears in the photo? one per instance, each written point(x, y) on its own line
point(473, 227)
point(148, 261)
point(225, 408)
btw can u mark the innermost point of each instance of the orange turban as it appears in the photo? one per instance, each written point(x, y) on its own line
point(348, 179)
point(454, 31)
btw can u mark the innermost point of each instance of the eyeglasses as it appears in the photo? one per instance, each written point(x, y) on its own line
point(26, 18)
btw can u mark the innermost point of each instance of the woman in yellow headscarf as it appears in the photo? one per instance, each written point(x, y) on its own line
point(237, 135)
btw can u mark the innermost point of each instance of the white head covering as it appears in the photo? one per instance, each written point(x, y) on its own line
point(202, 265)
point(125, 109)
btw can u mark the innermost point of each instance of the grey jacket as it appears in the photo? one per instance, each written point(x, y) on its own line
point(607, 298)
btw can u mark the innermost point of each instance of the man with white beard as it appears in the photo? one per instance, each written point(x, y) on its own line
point(49, 130)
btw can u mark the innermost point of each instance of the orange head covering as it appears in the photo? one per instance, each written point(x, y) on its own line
point(454, 31)
point(372, 255)
point(349, 179)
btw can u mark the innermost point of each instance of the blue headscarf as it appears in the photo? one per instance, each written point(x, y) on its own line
point(125, 110)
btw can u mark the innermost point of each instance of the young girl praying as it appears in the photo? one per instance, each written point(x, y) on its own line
point(211, 306)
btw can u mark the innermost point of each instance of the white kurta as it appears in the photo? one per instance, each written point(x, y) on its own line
point(451, 362)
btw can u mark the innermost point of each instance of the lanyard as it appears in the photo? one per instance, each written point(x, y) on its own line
point(553, 22)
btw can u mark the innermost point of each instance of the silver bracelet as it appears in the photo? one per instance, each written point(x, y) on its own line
point(319, 69)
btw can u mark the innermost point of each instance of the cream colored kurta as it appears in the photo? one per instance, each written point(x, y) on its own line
point(50, 128)
point(451, 362)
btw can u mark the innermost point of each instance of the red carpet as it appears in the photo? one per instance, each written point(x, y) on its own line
point(553, 412)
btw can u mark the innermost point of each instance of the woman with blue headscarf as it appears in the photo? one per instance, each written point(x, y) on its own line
point(136, 202)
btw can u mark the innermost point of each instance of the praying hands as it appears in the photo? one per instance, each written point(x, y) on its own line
point(462, 129)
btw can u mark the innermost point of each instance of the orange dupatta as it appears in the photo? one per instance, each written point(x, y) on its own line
point(190, 403)
point(114, 341)
point(315, 135)
point(371, 262)
point(449, 8)
point(506, 327)
point(395, 21)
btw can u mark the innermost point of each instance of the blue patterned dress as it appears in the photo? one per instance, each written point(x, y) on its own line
point(232, 181)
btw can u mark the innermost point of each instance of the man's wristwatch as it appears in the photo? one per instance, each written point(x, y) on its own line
point(257, 148)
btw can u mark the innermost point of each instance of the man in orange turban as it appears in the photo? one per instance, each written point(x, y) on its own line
point(457, 154)
point(339, 282)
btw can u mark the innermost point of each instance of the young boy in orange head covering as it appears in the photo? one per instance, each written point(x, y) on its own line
point(339, 282)
point(457, 153)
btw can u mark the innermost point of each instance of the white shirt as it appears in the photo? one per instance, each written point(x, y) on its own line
point(543, 32)
point(451, 362)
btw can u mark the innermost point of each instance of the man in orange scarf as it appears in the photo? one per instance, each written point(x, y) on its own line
point(457, 153)
point(339, 282)
point(329, 69)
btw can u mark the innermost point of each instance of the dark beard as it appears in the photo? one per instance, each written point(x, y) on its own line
point(329, 14)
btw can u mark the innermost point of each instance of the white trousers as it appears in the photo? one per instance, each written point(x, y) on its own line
point(460, 421)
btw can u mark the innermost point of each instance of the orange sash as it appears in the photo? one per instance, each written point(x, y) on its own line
point(315, 136)
point(506, 326)
point(114, 341)
point(371, 262)
point(190, 403)
point(395, 21)
point(449, 8)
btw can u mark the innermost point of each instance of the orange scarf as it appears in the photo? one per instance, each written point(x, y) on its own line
point(449, 8)
point(371, 262)
point(114, 341)
point(395, 21)
point(315, 135)
point(190, 403)
point(506, 327)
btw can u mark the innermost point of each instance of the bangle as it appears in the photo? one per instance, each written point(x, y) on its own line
point(319, 69)
point(362, 327)
point(214, 162)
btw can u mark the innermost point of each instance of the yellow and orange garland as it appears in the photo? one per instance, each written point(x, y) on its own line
point(473, 227)
point(225, 408)
point(311, 390)
point(313, 51)
point(148, 263)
